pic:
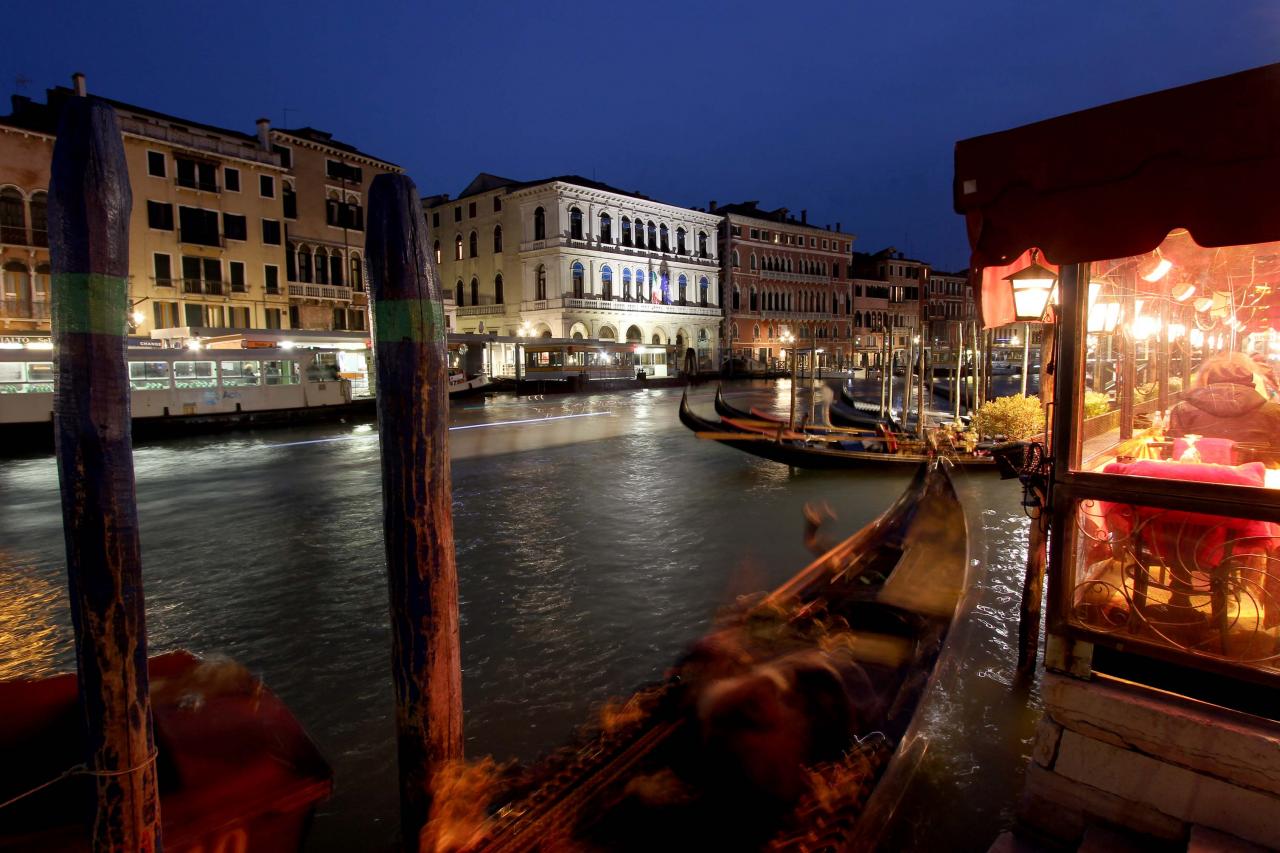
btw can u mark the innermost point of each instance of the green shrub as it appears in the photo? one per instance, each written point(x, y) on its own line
point(1096, 404)
point(1015, 418)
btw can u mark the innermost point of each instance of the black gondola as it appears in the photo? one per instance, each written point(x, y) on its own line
point(841, 416)
point(812, 451)
point(795, 726)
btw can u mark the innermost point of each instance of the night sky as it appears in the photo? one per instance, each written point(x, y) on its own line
point(849, 109)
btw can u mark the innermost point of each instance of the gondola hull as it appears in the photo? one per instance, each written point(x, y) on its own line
point(874, 612)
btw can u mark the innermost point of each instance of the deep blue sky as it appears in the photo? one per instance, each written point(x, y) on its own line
point(847, 108)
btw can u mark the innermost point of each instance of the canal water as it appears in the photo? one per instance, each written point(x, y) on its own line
point(596, 538)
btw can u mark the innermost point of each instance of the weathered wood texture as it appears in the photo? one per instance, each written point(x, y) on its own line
point(89, 206)
point(413, 409)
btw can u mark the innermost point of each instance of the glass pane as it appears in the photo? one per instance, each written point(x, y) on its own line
point(149, 375)
point(193, 374)
point(1179, 362)
point(1206, 585)
point(11, 371)
point(280, 372)
point(240, 373)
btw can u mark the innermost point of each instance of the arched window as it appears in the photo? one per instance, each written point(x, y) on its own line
point(755, 332)
point(457, 248)
point(541, 292)
point(304, 264)
point(704, 291)
point(640, 295)
point(607, 333)
point(683, 284)
point(475, 291)
point(472, 245)
point(753, 260)
point(606, 283)
point(437, 252)
point(626, 231)
point(680, 247)
point(17, 287)
point(735, 259)
point(626, 282)
point(40, 291)
point(539, 224)
point(39, 219)
point(575, 223)
point(335, 268)
point(634, 335)
point(653, 235)
point(458, 295)
point(656, 340)
point(357, 273)
point(497, 289)
point(578, 277)
point(291, 262)
point(606, 228)
point(755, 303)
point(322, 266)
point(13, 217)
point(497, 239)
point(702, 245)
point(737, 299)
point(663, 241)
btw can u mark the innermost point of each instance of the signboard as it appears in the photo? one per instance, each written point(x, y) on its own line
point(146, 343)
point(23, 340)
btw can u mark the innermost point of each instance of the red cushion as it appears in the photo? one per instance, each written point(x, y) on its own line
point(1250, 474)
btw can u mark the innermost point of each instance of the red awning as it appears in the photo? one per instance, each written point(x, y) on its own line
point(1113, 181)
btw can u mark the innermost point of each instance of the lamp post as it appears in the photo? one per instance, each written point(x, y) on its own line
point(787, 340)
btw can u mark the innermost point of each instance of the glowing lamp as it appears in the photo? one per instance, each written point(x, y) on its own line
point(1196, 337)
point(1032, 287)
point(1183, 291)
point(138, 317)
point(193, 345)
point(1104, 317)
point(1144, 327)
point(1159, 271)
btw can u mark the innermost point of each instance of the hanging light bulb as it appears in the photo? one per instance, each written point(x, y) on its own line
point(1182, 291)
point(1160, 270)
point(1196, 338)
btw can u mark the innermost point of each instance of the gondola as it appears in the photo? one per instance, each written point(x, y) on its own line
point(813, 451)
point(793, 726)
point(851, 412)
point(726, 410)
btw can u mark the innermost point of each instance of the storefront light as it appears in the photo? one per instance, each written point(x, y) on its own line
point(10, 345)
point(287, 345)
point(40, 345)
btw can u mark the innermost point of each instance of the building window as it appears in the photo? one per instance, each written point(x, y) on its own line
point(755, 233)
point(497, 239)
point(162, 269)
point(683, 284)
point(702, 244)
point(437, 252)
point(201, 275)
point(639, 284)
point(735, 258)
point(235, 227)
point(159, 216)
point(272, 317)
point(471, 245)
point(457, 213)
point(626, 282)
point(266, 186)
point(457, 247)
point(340, 171)
point(290, 199)
point(606, 283)
point(539, 224)
point(156, 164)
point(541, 292)
point(663, 241)
point(578, 276)
point(704, 291)
point(271, 232)
point(497, 204)
point(322, 266)
point(271, 279)
point(231, 179)
point(753, 260)
point(295, 317)
point(458, 294)
point(357, 274)
point(236, 271)
point(680, 246)
point(755, 302)
point(475, 291)
point(166, 314)
point(199, 226)
point(335, 269)
point(435, 219)
point(626, 231)
point(471, 210)
point(304, 264)
point(497, 288)
point(606, 228)
point(197, 174)
point(291, 263)
point(653, 236)
point(575, 224)
point(339, 319)
point(40, 219)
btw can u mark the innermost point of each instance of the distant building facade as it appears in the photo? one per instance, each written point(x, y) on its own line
point(887, 294)
point(784, 276)
point(567, 257)
point(210, 222)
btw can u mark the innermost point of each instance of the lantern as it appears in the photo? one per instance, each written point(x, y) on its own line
point(1033, 285)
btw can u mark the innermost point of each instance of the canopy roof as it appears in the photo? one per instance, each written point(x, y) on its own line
point(1113, 181)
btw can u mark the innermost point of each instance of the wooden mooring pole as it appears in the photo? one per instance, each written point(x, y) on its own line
point(1038, 536)
point(89, 206)
point(413, 412)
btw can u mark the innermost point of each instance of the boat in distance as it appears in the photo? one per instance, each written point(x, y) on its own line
point(793, 726)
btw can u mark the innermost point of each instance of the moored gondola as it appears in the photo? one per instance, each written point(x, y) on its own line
point(832, 451)
point(793, 726)
point(840, 415)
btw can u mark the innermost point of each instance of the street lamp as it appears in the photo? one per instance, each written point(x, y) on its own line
point(1033, 285)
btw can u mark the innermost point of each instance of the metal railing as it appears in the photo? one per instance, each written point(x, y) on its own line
point(201, 286)
point(321, 291)
point(202, 186)
point(481, 310)
point(244, 150)
point(199, 238)
point(619, 305)
point(21, 309)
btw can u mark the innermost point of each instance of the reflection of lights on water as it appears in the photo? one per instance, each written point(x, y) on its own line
point(29, 638)
point(363, 428)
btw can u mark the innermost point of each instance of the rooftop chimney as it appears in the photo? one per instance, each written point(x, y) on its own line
point(77, 83)
point(804, 217)
point(837, 226)
point(264, 133)
point(713, 205)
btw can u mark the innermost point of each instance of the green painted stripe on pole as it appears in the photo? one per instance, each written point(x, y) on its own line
point(90, 303)
point(418, 320)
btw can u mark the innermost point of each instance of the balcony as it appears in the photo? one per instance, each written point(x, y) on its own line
point(200, 186)
point(18, 236)
point(618, 305)
point(202, 287)
point(201, 237)
point(21, 309)
point(328, 292)
point(138, 126)
point(481, 310)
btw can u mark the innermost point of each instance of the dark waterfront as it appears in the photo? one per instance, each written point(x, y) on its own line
point(591, 550)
